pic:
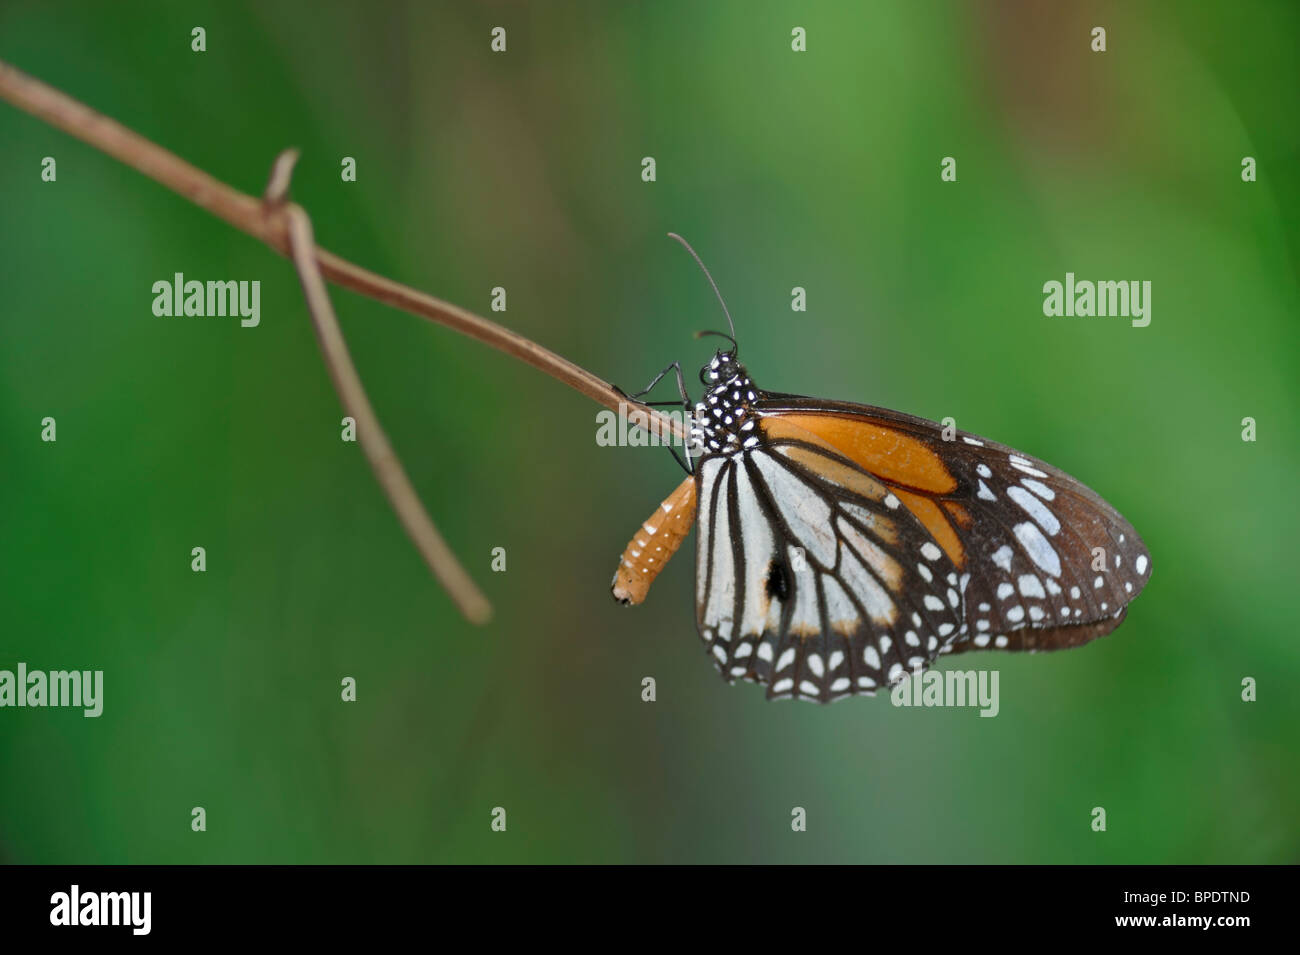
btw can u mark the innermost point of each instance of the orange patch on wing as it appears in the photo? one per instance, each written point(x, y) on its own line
point(929, 514)
point(652, 546)
point(959, 514)
point(845, 628)
point(892, 455)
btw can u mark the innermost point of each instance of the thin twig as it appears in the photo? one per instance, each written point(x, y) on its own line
point(383, 459)
point(286, 228)
point(250, 215)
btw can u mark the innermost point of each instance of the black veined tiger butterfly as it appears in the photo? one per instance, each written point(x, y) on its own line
point(843, 546)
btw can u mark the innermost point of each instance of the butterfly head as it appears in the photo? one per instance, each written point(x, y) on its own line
point(723, 418)
point(722, 369)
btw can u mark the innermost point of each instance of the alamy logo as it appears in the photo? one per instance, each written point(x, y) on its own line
point(1085, 299)
point(102, 908)
point(211, 299)
point(631, 427)
point(83, 688)
point(949, 688)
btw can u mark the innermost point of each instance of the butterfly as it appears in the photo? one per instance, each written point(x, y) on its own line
point(842, 547)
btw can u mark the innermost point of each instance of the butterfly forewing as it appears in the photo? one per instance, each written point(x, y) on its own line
point(1047, 562)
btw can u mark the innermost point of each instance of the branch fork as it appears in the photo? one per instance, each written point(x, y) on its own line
point(285, 227)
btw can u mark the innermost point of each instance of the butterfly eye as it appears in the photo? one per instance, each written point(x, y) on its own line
point(707, 376)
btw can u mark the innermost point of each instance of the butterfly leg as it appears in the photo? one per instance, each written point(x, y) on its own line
point(681, 387)
point(687, 465)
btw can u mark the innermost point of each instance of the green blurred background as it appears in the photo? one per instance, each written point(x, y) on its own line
point(816, 169)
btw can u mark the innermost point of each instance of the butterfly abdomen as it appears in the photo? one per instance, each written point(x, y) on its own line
point(652, 546)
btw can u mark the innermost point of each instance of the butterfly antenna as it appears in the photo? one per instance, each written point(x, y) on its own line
point(707, 275)
point(734, 346)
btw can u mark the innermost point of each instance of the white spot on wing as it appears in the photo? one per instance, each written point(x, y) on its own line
point(1041, 489)
point(1020, 464)
point(1037, 547)
point(1034, 508)
point(1031, 586)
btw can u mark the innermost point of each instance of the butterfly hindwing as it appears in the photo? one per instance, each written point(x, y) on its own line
point(802, 585)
